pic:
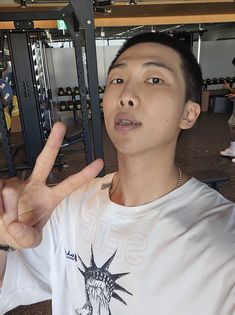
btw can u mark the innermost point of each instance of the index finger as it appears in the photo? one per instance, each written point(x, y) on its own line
point(47, 157)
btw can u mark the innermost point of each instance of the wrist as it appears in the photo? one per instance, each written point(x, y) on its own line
point(6, 248)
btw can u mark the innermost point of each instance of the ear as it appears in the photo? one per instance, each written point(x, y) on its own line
point(190, 115)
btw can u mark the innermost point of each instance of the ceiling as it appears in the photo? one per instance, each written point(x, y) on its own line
point(147, 12)
point(122, 17)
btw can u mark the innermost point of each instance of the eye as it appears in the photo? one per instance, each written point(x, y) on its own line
point(154, 80)
point(117, 81)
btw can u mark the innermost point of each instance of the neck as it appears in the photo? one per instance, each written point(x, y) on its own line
point(139, 181)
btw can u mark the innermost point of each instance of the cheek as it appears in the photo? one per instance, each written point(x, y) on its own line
point(107, 109)
point(106, 102)
point(109, 98)
point(167, 112)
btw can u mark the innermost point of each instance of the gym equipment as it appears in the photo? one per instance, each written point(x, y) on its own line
point(221, 104)
point(101, 106)
point(101, 90)
point(5, 99)
point(7, 118)
point(69, 90)
point(63, 106)
point(76, 90)
point(78, 105)
point(215, 81)
point(6, 94)
point(70, 105)
point(61, 91)
point(221, 80)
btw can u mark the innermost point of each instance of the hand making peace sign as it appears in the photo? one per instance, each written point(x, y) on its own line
point(25, 206)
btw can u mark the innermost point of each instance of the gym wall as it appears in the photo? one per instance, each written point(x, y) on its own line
point(216, 61)
point(216, 58)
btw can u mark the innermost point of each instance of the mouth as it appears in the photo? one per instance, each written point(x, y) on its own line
point(126, 122)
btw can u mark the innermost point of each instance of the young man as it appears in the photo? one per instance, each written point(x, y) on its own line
point(144, 240)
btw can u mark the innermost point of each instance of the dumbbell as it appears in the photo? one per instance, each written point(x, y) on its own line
point(78, 105)
point(100, 89)
point(101, 105)
point(215, 81)
point(89, 113)
point(76, 90)
point(69, 90)
point(62, 105)
point(60, 91)
point(70, 105)
point(221, 80)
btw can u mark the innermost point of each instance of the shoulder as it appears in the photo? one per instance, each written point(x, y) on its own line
point(198, 195)
point(204, 210)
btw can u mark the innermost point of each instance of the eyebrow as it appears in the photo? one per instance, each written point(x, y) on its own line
point(158, 65)
point(146, 64)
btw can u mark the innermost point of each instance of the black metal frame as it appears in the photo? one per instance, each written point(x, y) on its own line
point(83, 10)
point(69, 20)
point(82, 13)
point(22, 64)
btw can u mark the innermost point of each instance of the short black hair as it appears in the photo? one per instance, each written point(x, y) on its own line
point(191, 69)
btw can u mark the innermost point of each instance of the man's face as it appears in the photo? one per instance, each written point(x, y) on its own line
point(144, 99)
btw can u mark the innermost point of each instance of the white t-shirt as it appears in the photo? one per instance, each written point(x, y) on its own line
point(173, 256)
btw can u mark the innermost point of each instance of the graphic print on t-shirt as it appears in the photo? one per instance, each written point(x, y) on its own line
point(100, 287)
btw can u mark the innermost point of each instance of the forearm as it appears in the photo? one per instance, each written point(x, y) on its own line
point(3, 260)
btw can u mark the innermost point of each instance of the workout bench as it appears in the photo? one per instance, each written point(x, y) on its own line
point(211, 177)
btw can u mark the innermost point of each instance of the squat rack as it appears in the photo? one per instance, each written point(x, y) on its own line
point(79, 17)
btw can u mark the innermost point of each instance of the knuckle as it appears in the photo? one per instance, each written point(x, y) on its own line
point(11, 186)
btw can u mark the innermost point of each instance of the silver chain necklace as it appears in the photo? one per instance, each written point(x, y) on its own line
point(116, 185)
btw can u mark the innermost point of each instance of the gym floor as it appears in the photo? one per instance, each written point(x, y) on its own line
point(198, 149)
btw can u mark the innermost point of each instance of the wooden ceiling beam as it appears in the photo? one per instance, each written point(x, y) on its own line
point(164, 20)
point(157, 2)
point(149, 15)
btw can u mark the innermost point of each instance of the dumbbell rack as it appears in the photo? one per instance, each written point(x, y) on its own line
point(75, 104)
point(215, 81)
point(73, 101)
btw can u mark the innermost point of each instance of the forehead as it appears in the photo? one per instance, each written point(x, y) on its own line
point(151, 51)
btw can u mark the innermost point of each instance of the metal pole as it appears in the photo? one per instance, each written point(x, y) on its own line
point(83, 10)
point(76, 35)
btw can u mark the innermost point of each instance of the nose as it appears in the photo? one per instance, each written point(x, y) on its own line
point(124, 103)
point(128, 99)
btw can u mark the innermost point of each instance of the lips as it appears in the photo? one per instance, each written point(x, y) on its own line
point(124, 120)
